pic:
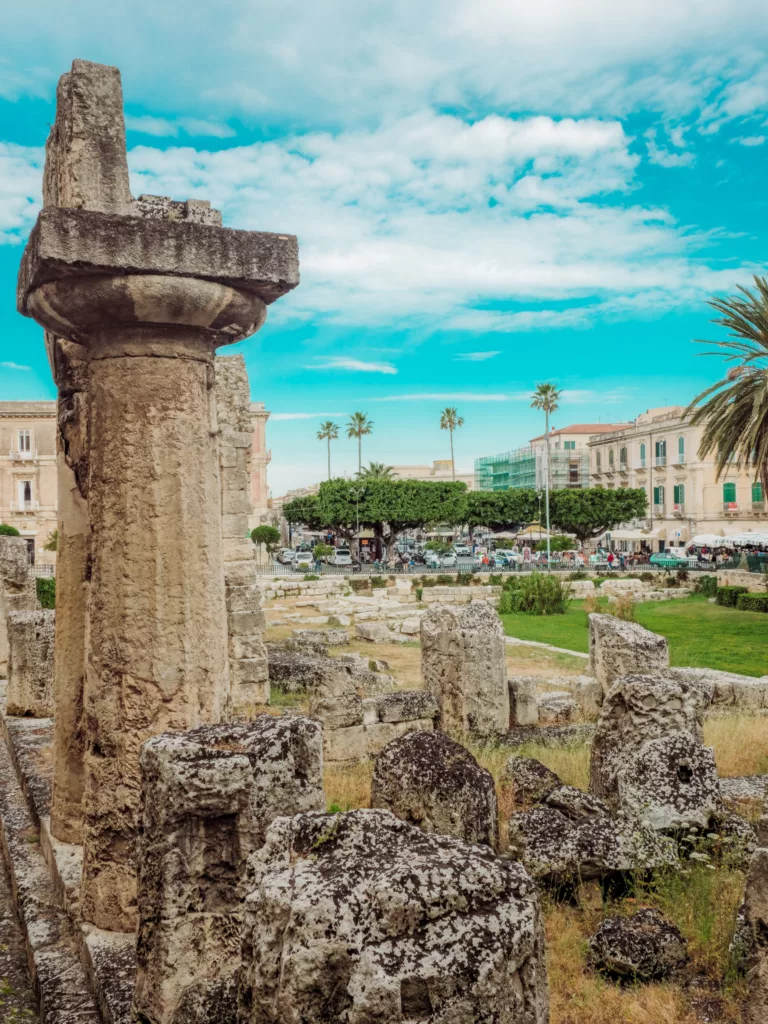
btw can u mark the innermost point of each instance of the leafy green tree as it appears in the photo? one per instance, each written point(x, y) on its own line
point(593, 510)
point(8, 531)
point(440, 547)
point(322, 551)
point(376, 471)
point(304, 511)
point(450, 421)
point(359, 426)
point(734, 410)
point(52, 544)
point(556, 543)
point(501, 510)
point(328, 431)
point(266, 535)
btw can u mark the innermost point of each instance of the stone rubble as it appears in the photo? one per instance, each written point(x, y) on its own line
point(643, 947)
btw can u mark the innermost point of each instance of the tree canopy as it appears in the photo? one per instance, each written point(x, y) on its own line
point(592, 511)
point(269, 536)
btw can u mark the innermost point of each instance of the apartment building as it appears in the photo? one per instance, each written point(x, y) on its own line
point(28, 489)
point(439, 472)
point(659, 452)
point(261, 456)
point(526, 466)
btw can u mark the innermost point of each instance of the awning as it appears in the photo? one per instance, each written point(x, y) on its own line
point(748, 537)
point(637, 534)
point(710, 540)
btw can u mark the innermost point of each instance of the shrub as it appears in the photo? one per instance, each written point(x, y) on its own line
point(670, 581)
point(465, 579)
point(8, 531)
point(419, 592)
point(595, 603)
point(682, 574)
point(624, 608)
point(728, 596)
point(322, 551)
point(309, 577)
point(495, 581)
point(428, 581)
point(647, 577)
point(443, 580)
point(359, 585)
point(377, 582)
point(46, 591)
point(752, 602)
point(537, 594)
point(707, 585)
point(579, 574)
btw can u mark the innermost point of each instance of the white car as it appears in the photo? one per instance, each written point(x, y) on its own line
point(303, 560)
point(285, 555)
point(462, 550)
point(449, 560)
point(341, 556)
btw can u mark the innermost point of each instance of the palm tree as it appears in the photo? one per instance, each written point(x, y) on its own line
point(546, 397)
point(376, 471)
point(358, 425)
point(450, 420)
point(734, 411)
point(328, 431)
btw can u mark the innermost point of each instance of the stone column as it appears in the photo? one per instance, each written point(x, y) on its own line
point(17, 589)
point(70, 369)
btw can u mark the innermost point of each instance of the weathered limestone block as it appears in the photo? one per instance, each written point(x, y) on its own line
point(360, 742)
point(150, 299)
point(208, 799)
point(648, 757)
point(30, 663)
point(618, 648)
point(325, 637)
point(361, 917)
point(644, 947)
point(532, 781)
point(427, 779)
point(406, 705)
point(755, 924)
point(557, 707)
point(523, 703)
point(729, 689)
point(463, 665)
point(17, 589)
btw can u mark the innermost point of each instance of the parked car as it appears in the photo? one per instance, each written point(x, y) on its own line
point(285, 555)
point(500, 561)
point(341, 556)
point(303, 560)
point(461, 550)
point(449, 560)
point(666, 560)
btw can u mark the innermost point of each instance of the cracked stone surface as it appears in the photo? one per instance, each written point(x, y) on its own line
point(17, 997)
point(359, 917)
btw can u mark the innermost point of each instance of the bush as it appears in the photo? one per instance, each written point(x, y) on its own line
point(752, 602)
point(682, 575)
point(419, 592)
point(359, 585)
point(647, 577)
point(537, 594)
point(495, 581)
point(670, 581)
point(465, 579)
point(443, 580)
point(594, 603)
point(579, 574)
point(624, 608)
point(428, 581)
point(707, 585)
point(8, 531)
point(46, 591)
point(309, 577)
point(377, 582)
point(728, 596)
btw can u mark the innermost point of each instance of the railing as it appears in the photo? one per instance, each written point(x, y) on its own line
point(679, 508)
point(730, 506)
point(25, 506)
point(660, 461)
point(658, 510)
point(287, 571)
point(21, 456)
point(43, 570)
point(679, 459)
point(758, 506)
point(641, 464)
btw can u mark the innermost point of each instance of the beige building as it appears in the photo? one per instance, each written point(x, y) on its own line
point(28, 493)
point(260, 459)
point(438, 472)
point(660, 453)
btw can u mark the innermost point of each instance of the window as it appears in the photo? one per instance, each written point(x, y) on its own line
point(661, 449)
point(729, 493)
point(679, 494)
point(610, 457)
point(25, 441)
point(757, 493)
point(598, 459)
point(622, 456)
point(658, 495)
point(25, 492)
point(570, 446)
point(681, 448)
point(642, 455)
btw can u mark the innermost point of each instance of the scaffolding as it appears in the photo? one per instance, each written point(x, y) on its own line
point(526, 467)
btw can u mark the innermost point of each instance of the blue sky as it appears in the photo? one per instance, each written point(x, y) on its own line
point(487, 195)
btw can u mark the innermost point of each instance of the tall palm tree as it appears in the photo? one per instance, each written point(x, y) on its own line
point(328, 431)
point(376, 471)
point(450, 421)
point(546, 397)
point(734, 410)
point(358, 425)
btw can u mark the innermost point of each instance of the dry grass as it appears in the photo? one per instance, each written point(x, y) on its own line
point(740, 743)
point(348, 787)
point(535, 661)
point(404, 659)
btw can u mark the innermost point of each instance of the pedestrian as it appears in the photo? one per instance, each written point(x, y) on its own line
point(610, 559)
point(621, 561)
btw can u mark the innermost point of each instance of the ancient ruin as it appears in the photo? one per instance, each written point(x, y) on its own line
point(17, 589)
point(618, 648)
point(30, 663)
point(149, 290)
point(462, 659)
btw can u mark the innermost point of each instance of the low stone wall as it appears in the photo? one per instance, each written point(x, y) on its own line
point(755, 582)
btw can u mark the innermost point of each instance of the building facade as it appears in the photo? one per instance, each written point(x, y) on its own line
point(28, 487)
point(659, 453)
point(439, 472)
point(526, 466)
point(260, 459)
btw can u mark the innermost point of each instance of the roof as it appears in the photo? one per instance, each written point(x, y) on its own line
point(584, 428)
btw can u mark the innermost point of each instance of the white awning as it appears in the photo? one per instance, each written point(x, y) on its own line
point(748, 537)
point(636, 534)
point(711, 540)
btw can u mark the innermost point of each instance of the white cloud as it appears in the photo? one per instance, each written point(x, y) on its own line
point(450, 396)
point(476, 357)
point(14, 366)
point(21, 171)
point(163, 127)
point(355, 365)
point(665, 157)
point(280, 416)
point(751, 140)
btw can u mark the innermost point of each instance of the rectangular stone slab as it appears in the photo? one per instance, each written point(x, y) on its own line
point(75, 243)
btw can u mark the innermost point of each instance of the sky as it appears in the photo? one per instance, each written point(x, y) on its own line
point(487, 195)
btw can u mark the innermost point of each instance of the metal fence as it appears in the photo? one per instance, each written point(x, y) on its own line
point(277, 569)
point(43, 570)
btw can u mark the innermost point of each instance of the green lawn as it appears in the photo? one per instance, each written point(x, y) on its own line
point(700, 634)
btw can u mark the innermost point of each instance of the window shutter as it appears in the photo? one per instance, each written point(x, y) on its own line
point(729, 492)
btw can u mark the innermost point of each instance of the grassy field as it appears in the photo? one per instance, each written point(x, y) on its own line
point(700, 634)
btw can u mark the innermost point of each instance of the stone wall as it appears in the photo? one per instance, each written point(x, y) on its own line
point(30, 663)
point(755, 582)
point(17, 589)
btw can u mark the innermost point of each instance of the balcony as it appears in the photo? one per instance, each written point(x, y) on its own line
point(623, 468)
point(25, 506)
point(641, 464)
point(758, 507)
point(730, 507)
point(679, 508)
point(660, 461)
point(679, 459)
point(19, 456)
point(658, 510)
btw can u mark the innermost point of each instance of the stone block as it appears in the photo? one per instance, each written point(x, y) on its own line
point(241, 573)
point(618, 648)
point(236, 503)
point(463, 664)
point(325, 637)
point(431, 781)
point(250, 646)
point(375, 632)
point(14, 562)
point(557, 707)
point(235, 525)
point(208, 798)
point(359, 742)
point(235, 481)
point(245, 623)
point(523, 705)
point(406, 706)
point(243, 599)
point(338, 713)
point(238, 550)
point(30, 663)
point(374, 921)
point(589, 695)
